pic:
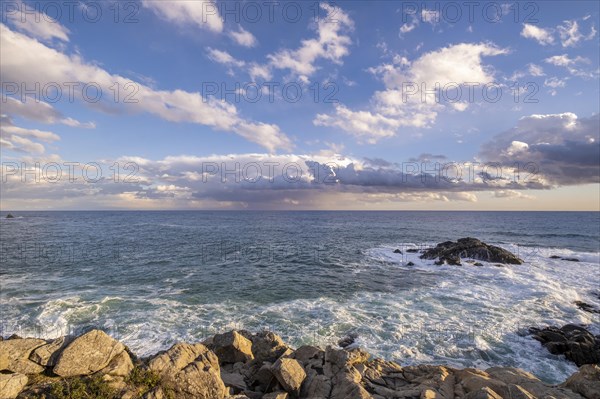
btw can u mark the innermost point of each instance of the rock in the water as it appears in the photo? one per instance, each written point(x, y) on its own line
point(232, 347)
point(555, 257)
point(14, 355)
point(571, 259)
point(347, 340)
point(87, 354)
point(397, 251)
point(575, 342)
point(10, 216)
point(586, 307)
point(410, 264)
point(412, 250)
point(289, 373)
point(451, 252)
point(11, 385)
point(586, 381)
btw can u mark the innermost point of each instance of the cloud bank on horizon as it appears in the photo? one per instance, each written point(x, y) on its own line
point(358, 105)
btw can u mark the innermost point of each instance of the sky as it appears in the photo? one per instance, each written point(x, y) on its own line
point(362, 105)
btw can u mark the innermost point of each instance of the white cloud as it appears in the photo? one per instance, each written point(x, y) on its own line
point(536, 70)
point(331, 44)
point(243, 37)
point(203, 14)
point(223, 57)
point(541, 35)
point(40, 111)
point(555, 82)
point(29, 20)
point(16, 138)
point(430, 16)
point(571, 65)
point(29, 61)
point(392, 108)
point(570, 35)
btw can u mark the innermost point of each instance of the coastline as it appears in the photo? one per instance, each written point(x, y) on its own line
point(245, 365)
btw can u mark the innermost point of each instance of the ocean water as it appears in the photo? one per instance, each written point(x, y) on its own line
point(154, 278)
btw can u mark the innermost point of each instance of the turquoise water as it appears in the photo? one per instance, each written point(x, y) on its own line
point(153, 278)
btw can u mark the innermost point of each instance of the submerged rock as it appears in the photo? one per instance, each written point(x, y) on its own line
point(10, 216)
point(586, 307)
point(450, 252)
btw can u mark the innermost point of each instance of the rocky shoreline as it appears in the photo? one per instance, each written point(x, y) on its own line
point(243, 365)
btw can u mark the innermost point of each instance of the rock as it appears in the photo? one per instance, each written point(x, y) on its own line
point(190, 371)
point(289, 373)
point(586, 307)
point(412, 250)
point(586, 381)
point(14, 355)
point(11, 385)
point(397, 251)
point(571, 259)
point(234, 380)
point(575, 342)
point(276, 395)
point(483, 393)
point(306, 353)
point(120, 366)
point(347, 340)
point(478, 264)
point(267, 346)
point(232, 347)
point(46, 355)
point(410, 264)
point(451, 252)
point(10, 216)
point(555, 257)
point(87, 354)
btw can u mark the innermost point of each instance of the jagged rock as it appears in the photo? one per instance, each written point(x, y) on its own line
point(483, 393)
point(14, 355)
point(267, 346)
point(451, 252)
point(11, 385)
point(232, 347)
point(87, 354)
point(586, 381)
point(306, 353)
point(190, 371)
point(289, 373)
point(575, 342)
point(46, 355)
point(346, 385)
point(10, 216)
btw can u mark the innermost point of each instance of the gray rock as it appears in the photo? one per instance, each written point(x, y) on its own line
point(232, 347)
point(289, 373)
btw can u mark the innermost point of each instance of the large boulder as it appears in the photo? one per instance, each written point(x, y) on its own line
point(289, 373)
point(575, 342)
point(267, 346)
point(189, 371)
point(232, 347)
point(586, 381)
point(450, 252)
point(11, 385)
point(46, 355)
point(14, 355)
point(87, 354)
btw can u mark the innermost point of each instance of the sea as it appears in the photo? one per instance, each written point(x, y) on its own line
point(152, 279)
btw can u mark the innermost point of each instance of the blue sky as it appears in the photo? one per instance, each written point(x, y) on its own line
point(370, 58)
